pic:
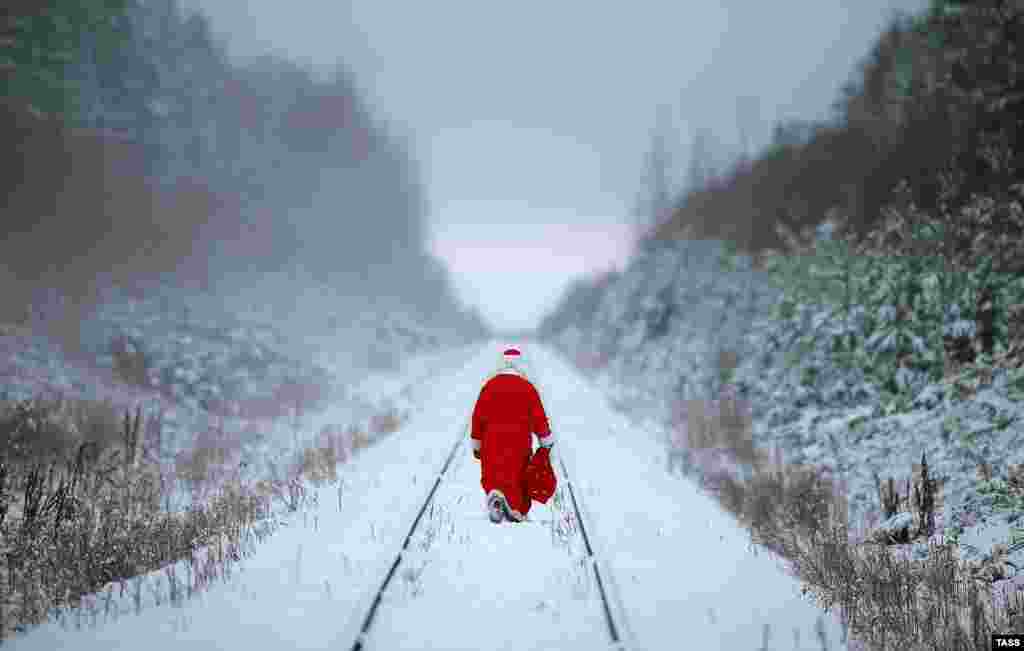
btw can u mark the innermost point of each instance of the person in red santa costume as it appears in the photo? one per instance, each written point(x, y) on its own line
point(507, 415)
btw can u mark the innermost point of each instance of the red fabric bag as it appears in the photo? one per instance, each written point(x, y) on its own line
point(540, 476)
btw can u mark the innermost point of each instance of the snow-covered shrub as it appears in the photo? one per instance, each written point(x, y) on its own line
point(590, 361)
point(88, 510)
point(835, 323)
point(878, 313)
point(131, 363)
point(319, 465)
point(1003, 495)
point(300, 394)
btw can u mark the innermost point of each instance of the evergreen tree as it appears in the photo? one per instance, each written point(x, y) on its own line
point(42, 40)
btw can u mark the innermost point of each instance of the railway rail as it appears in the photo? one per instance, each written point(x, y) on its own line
point(613, 613)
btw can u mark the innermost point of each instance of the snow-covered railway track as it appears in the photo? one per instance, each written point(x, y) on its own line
point(364, 630)
point(613, 628)
point(616, 628)
point(609, 618)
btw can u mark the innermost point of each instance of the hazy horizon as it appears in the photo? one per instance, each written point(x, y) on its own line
point(531, 127)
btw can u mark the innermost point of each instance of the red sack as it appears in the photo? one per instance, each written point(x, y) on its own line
point(540, 476)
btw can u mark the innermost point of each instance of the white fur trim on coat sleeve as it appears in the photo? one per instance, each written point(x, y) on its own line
point(476, 445)
point(547, 441)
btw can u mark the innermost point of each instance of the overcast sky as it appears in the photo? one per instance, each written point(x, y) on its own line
point(532, 119)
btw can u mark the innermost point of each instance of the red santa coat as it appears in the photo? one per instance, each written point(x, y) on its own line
point(506, 414)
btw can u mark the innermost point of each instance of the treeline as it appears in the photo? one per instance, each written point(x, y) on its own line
point(579, 304)
point(933, 117)
point(138, 151)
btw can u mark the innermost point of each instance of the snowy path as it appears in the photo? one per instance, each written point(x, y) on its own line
point(681, 566)
point(679, 570)
point(469, 584)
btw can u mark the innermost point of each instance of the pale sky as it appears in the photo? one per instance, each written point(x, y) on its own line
point(531, 119)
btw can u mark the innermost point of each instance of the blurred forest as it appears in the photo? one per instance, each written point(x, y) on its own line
point(136, 153)
point(931, 120)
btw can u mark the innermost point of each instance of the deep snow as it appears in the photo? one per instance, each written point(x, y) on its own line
point(679, 570)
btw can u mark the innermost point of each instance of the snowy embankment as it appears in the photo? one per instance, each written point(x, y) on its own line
point(197, 363)
point(658, 333)
point(678, 568)
point(655, 333)
point(684, 568)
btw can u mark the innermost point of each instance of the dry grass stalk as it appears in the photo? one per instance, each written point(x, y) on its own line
point(360, 439)
point(889, 602)
point(801, 513)
point(386, 422)
point(338, 440)
point(130, 366)
point(319, 465)
point(984, 471)
point(85, 510)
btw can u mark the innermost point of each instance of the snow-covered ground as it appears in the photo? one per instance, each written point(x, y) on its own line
point(679, 571)
point(684, 568)
point(652, 335)
point(203, 362)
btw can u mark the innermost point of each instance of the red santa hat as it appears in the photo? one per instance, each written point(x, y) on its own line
point(511, 361)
